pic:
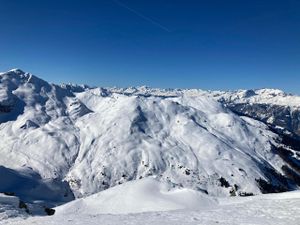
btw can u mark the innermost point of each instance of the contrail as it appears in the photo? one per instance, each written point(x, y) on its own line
point(141, 15)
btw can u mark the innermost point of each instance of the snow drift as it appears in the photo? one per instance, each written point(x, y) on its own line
point(143, 195)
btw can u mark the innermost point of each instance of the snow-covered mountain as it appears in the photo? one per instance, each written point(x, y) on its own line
point(69, 141)
point(274, 107)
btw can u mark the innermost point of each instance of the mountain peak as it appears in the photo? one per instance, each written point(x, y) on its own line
point(14, 74)
point(17, 71)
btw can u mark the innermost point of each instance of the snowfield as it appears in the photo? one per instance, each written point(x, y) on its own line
point(144, 195)
point(116, 151)
point(171, 207)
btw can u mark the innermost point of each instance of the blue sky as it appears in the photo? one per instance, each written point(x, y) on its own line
point(213, 44)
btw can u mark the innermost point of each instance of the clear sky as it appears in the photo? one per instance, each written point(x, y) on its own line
point(211, 44)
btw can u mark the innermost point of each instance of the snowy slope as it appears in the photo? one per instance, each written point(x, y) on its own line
point(272, 106)
point(143, 195)
point(130, 137)
point(9, 208)
point(97, 138)
point(180, 206)
point(260, 96)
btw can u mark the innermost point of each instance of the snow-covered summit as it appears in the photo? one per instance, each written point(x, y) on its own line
point(259, 96)
point(262, 96)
